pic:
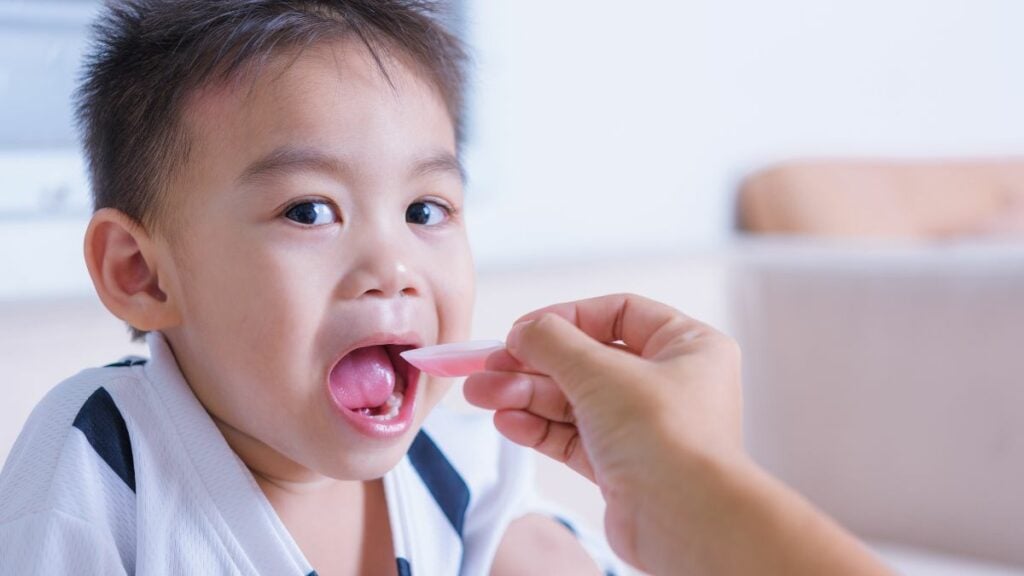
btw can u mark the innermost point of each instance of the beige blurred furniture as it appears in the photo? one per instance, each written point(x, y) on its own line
point(886, 198)
point(882, 339)
point(886, 383)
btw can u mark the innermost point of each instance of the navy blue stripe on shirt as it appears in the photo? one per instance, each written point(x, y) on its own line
point(104, 428)
point(403, 568)
point(568, 525)
point(127, 362)
point(444, 482)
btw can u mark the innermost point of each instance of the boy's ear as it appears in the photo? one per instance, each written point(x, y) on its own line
point(126, 269)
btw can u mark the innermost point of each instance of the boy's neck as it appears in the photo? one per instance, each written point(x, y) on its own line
point(341, 526)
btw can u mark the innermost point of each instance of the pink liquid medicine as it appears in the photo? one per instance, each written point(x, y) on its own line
point(453, 360)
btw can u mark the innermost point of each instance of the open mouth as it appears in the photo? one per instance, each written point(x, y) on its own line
point(374, 383)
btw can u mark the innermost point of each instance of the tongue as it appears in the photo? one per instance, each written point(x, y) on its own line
point(364, 378)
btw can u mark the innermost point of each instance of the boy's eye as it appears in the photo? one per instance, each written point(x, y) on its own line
point(312, 213)
point(426, 213)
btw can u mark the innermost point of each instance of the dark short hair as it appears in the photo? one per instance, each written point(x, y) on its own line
point(150, 55)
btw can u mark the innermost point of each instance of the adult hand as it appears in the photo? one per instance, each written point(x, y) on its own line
point(646, 402)
point(615, 412)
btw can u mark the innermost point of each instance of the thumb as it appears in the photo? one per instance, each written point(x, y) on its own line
point(555, 347)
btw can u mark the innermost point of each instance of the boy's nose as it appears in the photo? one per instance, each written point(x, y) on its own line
point(381, 273)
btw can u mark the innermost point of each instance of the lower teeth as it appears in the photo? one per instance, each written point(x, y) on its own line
point(387, 411)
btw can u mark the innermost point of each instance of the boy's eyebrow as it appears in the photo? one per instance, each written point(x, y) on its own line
point(288, 159)
point(442, 162)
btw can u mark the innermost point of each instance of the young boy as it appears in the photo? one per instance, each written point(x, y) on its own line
point(279, 208)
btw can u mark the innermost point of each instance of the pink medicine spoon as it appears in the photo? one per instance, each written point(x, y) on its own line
point(455, 359)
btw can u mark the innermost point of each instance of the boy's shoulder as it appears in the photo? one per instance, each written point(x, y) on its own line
point(500, 478)
point(67, 486)
point(458, 488)
point(474, 448)
point(82, 402)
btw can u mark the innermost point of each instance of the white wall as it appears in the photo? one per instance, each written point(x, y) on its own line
point(44, 196)
point(625, 126)
point(40, 51)
point(599, 126)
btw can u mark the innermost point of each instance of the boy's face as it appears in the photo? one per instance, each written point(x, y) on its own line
point(310, 220)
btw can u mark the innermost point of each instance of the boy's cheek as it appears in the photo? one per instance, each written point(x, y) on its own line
point(457, 312)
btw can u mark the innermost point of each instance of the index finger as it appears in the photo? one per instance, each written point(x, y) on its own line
point(645, 326)
point(502, 361)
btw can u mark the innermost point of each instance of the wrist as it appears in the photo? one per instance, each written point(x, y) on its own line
point(696, 499)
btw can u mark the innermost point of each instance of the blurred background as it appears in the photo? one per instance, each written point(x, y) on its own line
point(839, 185)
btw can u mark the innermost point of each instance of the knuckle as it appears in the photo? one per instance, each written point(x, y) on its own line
point(544, 323)
point(544, 437)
